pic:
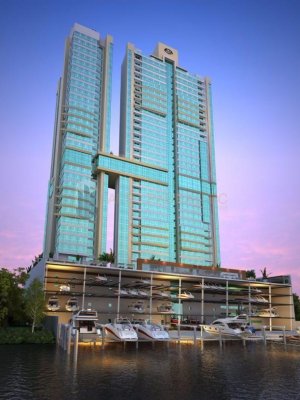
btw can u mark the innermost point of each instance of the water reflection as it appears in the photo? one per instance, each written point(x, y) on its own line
point(178, 371)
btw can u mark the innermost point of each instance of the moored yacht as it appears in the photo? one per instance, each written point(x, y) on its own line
point(148, 330)
point(85, 322)
point(137, 307)
point(185, 295)
point(101, 278)
point(162, 294)
point(53, 304)
point(132, 292)
point(121, 292)
point(268, 313)
point(65, 288)
point(142, 282)
point(226, 326)
point(260, 299)
point(143, 293)
point(120, 330)
point(72, 304)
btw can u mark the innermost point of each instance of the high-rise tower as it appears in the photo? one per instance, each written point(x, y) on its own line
point(164, 177)
point(166, 122)
point(82, 124)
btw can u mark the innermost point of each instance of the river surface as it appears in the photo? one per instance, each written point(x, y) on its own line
point(177, 372)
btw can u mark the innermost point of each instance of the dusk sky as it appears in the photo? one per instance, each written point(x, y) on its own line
point(251, 51)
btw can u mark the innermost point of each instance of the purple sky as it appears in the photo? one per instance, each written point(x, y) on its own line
point(251, 51)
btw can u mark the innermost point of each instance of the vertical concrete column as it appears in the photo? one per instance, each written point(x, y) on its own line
point(249, 301)
point(83, 288)
point(69, 330)
point(119, 288)
point(179, 315)
point(284, 336)
point(227, 304)
point(195, 335)
point(150, 305)
point(100, 218)
point(76, 340)
point(202, 302)
point(270, 307)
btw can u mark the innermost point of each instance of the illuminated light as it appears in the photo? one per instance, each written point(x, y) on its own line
point(89, 344)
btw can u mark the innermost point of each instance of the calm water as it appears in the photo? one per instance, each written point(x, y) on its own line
point(178, 372)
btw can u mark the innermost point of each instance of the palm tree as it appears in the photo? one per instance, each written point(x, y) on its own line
point(265, 274)
point(108, 257)
point(111, 256)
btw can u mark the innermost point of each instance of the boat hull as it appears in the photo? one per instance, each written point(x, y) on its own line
point(120, 335)
point(150, 333)
point(226, 326)
point(214, 330)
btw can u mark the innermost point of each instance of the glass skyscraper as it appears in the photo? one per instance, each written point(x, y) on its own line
point(166, 121)
point(164, 177)
point(82, 125)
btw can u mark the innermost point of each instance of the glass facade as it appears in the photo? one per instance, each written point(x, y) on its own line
point(167, 123)
point(164, 178)
point(125, 167)
point(82, 129)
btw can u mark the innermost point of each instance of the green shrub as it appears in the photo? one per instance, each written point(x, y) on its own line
point(24, 335)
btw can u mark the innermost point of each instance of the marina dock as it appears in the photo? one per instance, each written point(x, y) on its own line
point(195, 335)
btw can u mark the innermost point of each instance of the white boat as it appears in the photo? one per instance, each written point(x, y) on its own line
point(260, 299)
point(137, 307)
point(143, 293)
point(121, 292)
point(209, 286)
point(162, 294)
point(165, 308)
point(85, 322)
point(132, 292)
point(256, 290)
point(268, 313)
point(147, 330)
point(204, 286)
point(185, 295)
point(121, 330)
point(64, 288)
point(199, 286)
point(101, 278)
point(226, 326)
point(215, 286)
point(142, 282)
point(255, 299)
point(53, 304)
point(72, 304)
